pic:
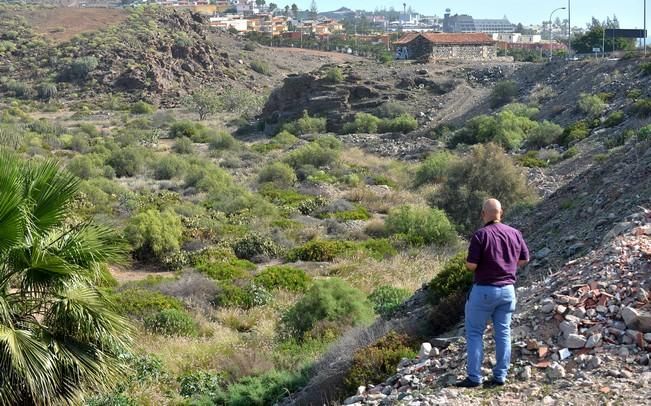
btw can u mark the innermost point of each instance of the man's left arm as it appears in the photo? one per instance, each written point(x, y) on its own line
point(523, 259)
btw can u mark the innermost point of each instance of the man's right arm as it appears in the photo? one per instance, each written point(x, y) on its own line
point(524, 253)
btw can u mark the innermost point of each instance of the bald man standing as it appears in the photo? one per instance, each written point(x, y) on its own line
point(496, 250)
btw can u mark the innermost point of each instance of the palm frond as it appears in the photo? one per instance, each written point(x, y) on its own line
point(11, 219)
point(49, 191)
point(89, 245)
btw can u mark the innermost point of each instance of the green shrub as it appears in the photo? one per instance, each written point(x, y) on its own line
point(614, 119)
point(142, 107)
point(222, 141)
point(363, 123)
point(283, 277)
point(645, 68)
point(591, 105)
point(139, 302)
point(265, 389)
point(84, 166)
point(420, 225)
point(183, 145)
point(570, 153)
point(127, 161)
point(228, 269)
point(154, 234)
point(202, 383)
point(47, 91)
point(111, 399)
point(379, 361)
point(240, 295)
point(285, 138)
point(171, 322)
point(318, 251)
point(250, 46)
point(261, 67)
point(255, 246)
point(205, 102)
point(377, 249)
point(358, 213)
point(531, 160)
point(575, 132)
point(329, 301)
point(334, 75)
point(168, 167)
point(390, 110)
point(279, 174)
point(312, 154)
point(634, 94)
point(185, 128)
point(454, 277)
point(306, 125)
point(505, 128)
point(80, 68)
point(404, 123)
point(544, 134)
point(619, 139)
point(386, 299)
point(434, 169)
point(504, 92)
point(642, 108)
point(487, 172)
point(18, 89)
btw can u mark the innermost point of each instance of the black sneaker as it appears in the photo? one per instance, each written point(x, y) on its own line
point(467, 383)
point(493, 383)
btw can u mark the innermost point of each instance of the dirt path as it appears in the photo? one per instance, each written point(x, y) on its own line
point(334, 56)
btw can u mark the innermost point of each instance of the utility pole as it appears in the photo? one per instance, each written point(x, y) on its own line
point(644, 27)
point(569, 29)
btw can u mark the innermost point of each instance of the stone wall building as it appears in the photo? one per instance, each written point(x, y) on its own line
point(471, 46)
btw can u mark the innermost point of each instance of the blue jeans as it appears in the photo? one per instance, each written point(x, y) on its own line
point(498, 304)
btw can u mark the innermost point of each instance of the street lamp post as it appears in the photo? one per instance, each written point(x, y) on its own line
point(569, 29)
point(551, 51)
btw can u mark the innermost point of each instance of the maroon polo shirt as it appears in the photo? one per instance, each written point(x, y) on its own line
point(496, 249)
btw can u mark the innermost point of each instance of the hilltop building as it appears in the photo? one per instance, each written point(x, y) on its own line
point(466, 24)
point(467, 46)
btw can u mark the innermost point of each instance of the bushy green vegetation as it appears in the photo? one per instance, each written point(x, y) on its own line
point(327, 307)
point(420, 225)
point(306, 125)
point(504, 92)
point(614, 119)
point(171, 322)
point(334, 75)
point(575, 132)
point(434, 169)
point(142, 107)
point(642, 108)
point(544, 134)
point(386, 299)
point(453, 278)
point(377, 362)
point(154, 234)
point(486, 172)
point(283, 277)
point(591, 105)
point(329, 250)
point(279, 174)
point(261, 67)
point(140, 303)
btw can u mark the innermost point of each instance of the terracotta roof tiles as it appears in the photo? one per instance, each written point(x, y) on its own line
point(441, 38)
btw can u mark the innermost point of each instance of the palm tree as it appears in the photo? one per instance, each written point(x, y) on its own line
point(59, 338)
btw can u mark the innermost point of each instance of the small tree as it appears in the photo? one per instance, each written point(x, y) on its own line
point(154, 233)
point(204, 102)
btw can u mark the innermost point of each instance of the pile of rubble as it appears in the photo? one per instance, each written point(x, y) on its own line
point(586, 328)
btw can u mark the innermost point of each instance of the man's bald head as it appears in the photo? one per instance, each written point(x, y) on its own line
point(491, 210)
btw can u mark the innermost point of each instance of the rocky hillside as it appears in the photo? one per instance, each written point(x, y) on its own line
point(581, 336)
point(156, 53)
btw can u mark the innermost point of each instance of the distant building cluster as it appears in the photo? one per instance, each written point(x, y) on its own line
point(466, 24)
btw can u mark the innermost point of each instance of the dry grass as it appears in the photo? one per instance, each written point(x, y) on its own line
point(381, 200)
point(405, 270)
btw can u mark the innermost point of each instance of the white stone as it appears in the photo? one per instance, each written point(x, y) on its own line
point(593, 341)
point(361, 390)
point(575, 341)
point(630, 316)
point(425, 349)
point(568, 327)
point(564, 353)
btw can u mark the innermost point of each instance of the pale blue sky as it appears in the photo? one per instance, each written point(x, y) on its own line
point(629, 12)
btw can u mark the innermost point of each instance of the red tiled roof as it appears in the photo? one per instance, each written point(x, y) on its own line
point(443, 38)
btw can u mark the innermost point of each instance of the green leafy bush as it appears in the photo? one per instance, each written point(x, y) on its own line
point(614, 119)
point(386, 299)
point(312, 154)
point(591, 105)
point(261, 67)
point(18, 89)
point(47, 91)
point(390, 110)
point(363, 123)
point(227, 269)
point(434, 169)
point(80, 68)
point(531, 160)
point(185, 128)
point(205, 102)
point(242, 295)
point(404, 123)
point(127, 161)
point(283, 277)
point(642, 108)
point(142, 107)
point(183, 145)
point(265, 389)
point(279, 174)
point(85, 166)
point(420, 225)
point(487, 172)
point(139, 302)
point(334, 75)
point(318, 251)
point(575, 132)
point(504, 92)
point(203, 384)
point(255, 246)
point(171, 322)
point(544, 134)
point(454, 277)
point(331, 301)
point(222, 141)
point(154, 234)
point(570, 153)
point(505, 128)
point(306, 125)
point(645, 68)
point(285, 138)
point(619, 139)
point(379, 361)
point(168, 167)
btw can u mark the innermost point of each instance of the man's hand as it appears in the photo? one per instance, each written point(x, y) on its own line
point(471, 266)
point(522, 262)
